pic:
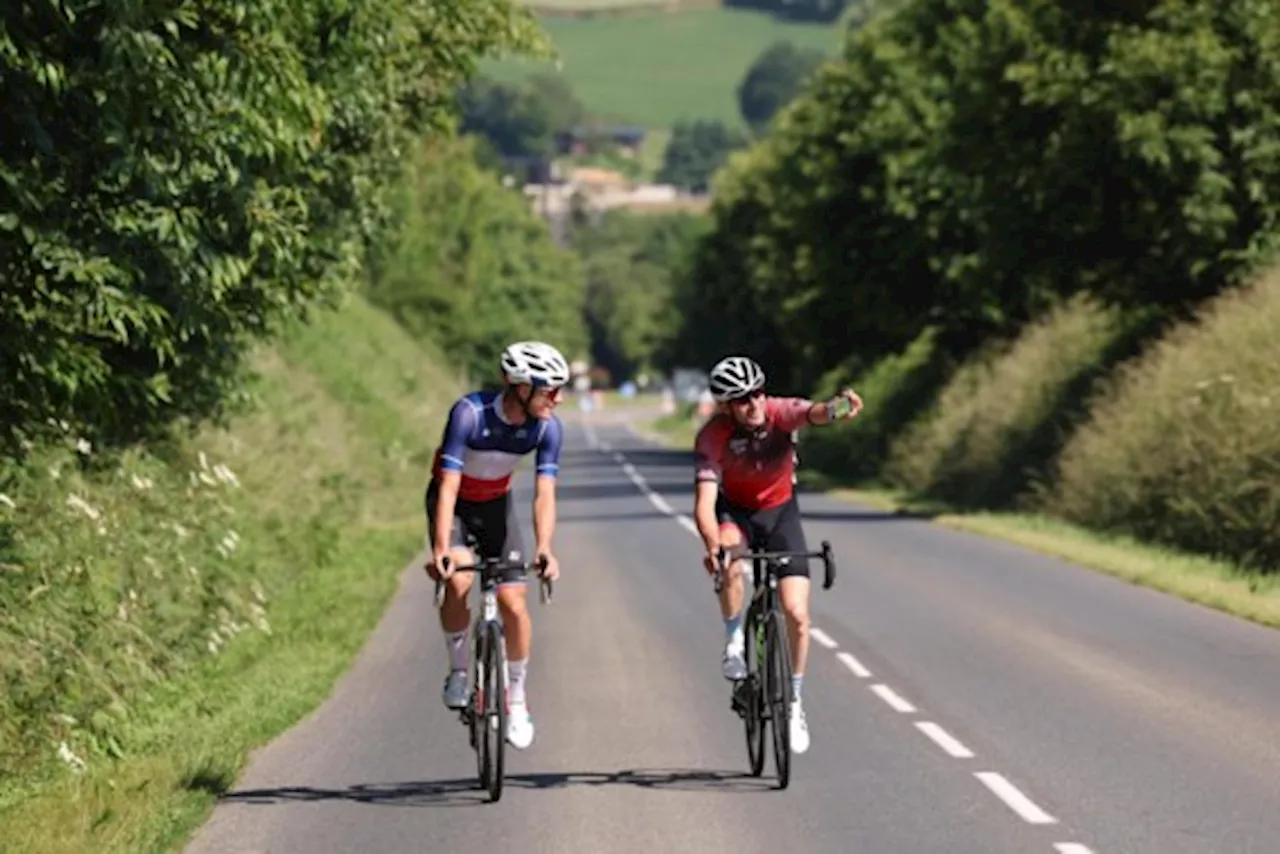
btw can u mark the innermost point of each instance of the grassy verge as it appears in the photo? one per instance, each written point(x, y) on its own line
point(197, 600)
point(1216, 584)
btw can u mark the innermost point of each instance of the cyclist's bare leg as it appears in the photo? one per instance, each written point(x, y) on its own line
point(455, 621)
point(793, 591)
point(516, 625)
point(732, 591)
point(732, 602)
point(518, 632)
point(455, 613)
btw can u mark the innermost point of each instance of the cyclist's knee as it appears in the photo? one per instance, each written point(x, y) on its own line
point(511, 601)
point(795, 600)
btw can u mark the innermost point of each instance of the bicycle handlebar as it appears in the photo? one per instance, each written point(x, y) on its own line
point(494, 565)
point(828, 560)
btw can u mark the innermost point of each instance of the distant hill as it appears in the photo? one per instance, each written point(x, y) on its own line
point(656, 66)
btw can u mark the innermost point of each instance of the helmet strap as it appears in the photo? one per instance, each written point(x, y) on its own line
point(524, 401)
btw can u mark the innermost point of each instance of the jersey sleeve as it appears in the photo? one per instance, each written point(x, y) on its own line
point(457, 430)
point(547, 461)
point(708, 449)
point(790, 413)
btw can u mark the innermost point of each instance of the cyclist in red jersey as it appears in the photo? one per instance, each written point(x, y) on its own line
point(744, 458)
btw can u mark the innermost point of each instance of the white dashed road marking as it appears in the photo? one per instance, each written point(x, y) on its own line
point(944, 740)
point(847, 659)
point(884, 692)
point(1010, 795)
point(1014, 799)
point(822, 637)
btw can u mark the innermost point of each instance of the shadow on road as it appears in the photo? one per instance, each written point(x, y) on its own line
point(466, 791)
point(864, 515)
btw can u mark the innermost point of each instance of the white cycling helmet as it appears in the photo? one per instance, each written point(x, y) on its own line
point(535, 363)
point(735, 376)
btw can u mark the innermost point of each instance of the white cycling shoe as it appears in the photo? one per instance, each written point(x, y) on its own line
point(455, 689)
point(799, 728)
point(734, 663)
point(519, 726)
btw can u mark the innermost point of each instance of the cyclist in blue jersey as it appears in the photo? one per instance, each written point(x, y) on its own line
point(486, 435)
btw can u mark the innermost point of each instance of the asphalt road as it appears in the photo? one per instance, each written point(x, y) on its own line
point(963, 696)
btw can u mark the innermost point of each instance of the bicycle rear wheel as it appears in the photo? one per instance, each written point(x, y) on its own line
point(751, 697)
point(777, 693)
point(494, 720)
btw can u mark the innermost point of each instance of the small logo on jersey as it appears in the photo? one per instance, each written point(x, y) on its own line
point(738, 446)
point(513, 555)
point(520, 434)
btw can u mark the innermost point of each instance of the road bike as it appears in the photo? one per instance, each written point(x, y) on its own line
point(485, 714)
point(763, 697)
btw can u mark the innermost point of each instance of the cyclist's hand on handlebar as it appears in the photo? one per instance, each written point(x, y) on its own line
point(440, 566)
point(711, 561)
point(552, 571)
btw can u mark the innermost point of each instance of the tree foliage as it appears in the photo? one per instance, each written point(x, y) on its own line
point(630, 263)
point(773, 80)
point(969, 163)
point(696, 150)
point(520, 119)
point(178, 178)
point(472, 267)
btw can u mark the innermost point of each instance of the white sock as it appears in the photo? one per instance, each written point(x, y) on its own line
point(457, 644)
point(515, 675)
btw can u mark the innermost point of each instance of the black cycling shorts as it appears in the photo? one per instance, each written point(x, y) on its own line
point(493, 524)
point(775, 529)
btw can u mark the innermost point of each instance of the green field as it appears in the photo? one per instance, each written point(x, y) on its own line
point(654, 68)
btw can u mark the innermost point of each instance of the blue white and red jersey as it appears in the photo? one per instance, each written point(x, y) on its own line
point(486, 448)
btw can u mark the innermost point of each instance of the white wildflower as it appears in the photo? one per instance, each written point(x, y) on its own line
point(142, 483)
point(84, 507)
point(84, 447)
point(180, 531)
point(204, 462)
point(65, 754)
point(207, 479)
point(225, 475)
point(7, 501)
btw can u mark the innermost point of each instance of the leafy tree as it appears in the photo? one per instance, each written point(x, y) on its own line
point(520, 119)
point(178, 179)
point(630, 261)
point(812, 11)
point(696, 150)
point(472, 267)
point(773, 80)
point(967, 163)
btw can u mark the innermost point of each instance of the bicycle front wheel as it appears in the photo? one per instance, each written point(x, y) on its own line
point(495, 716)
point(750, 695)
point(777, 692)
